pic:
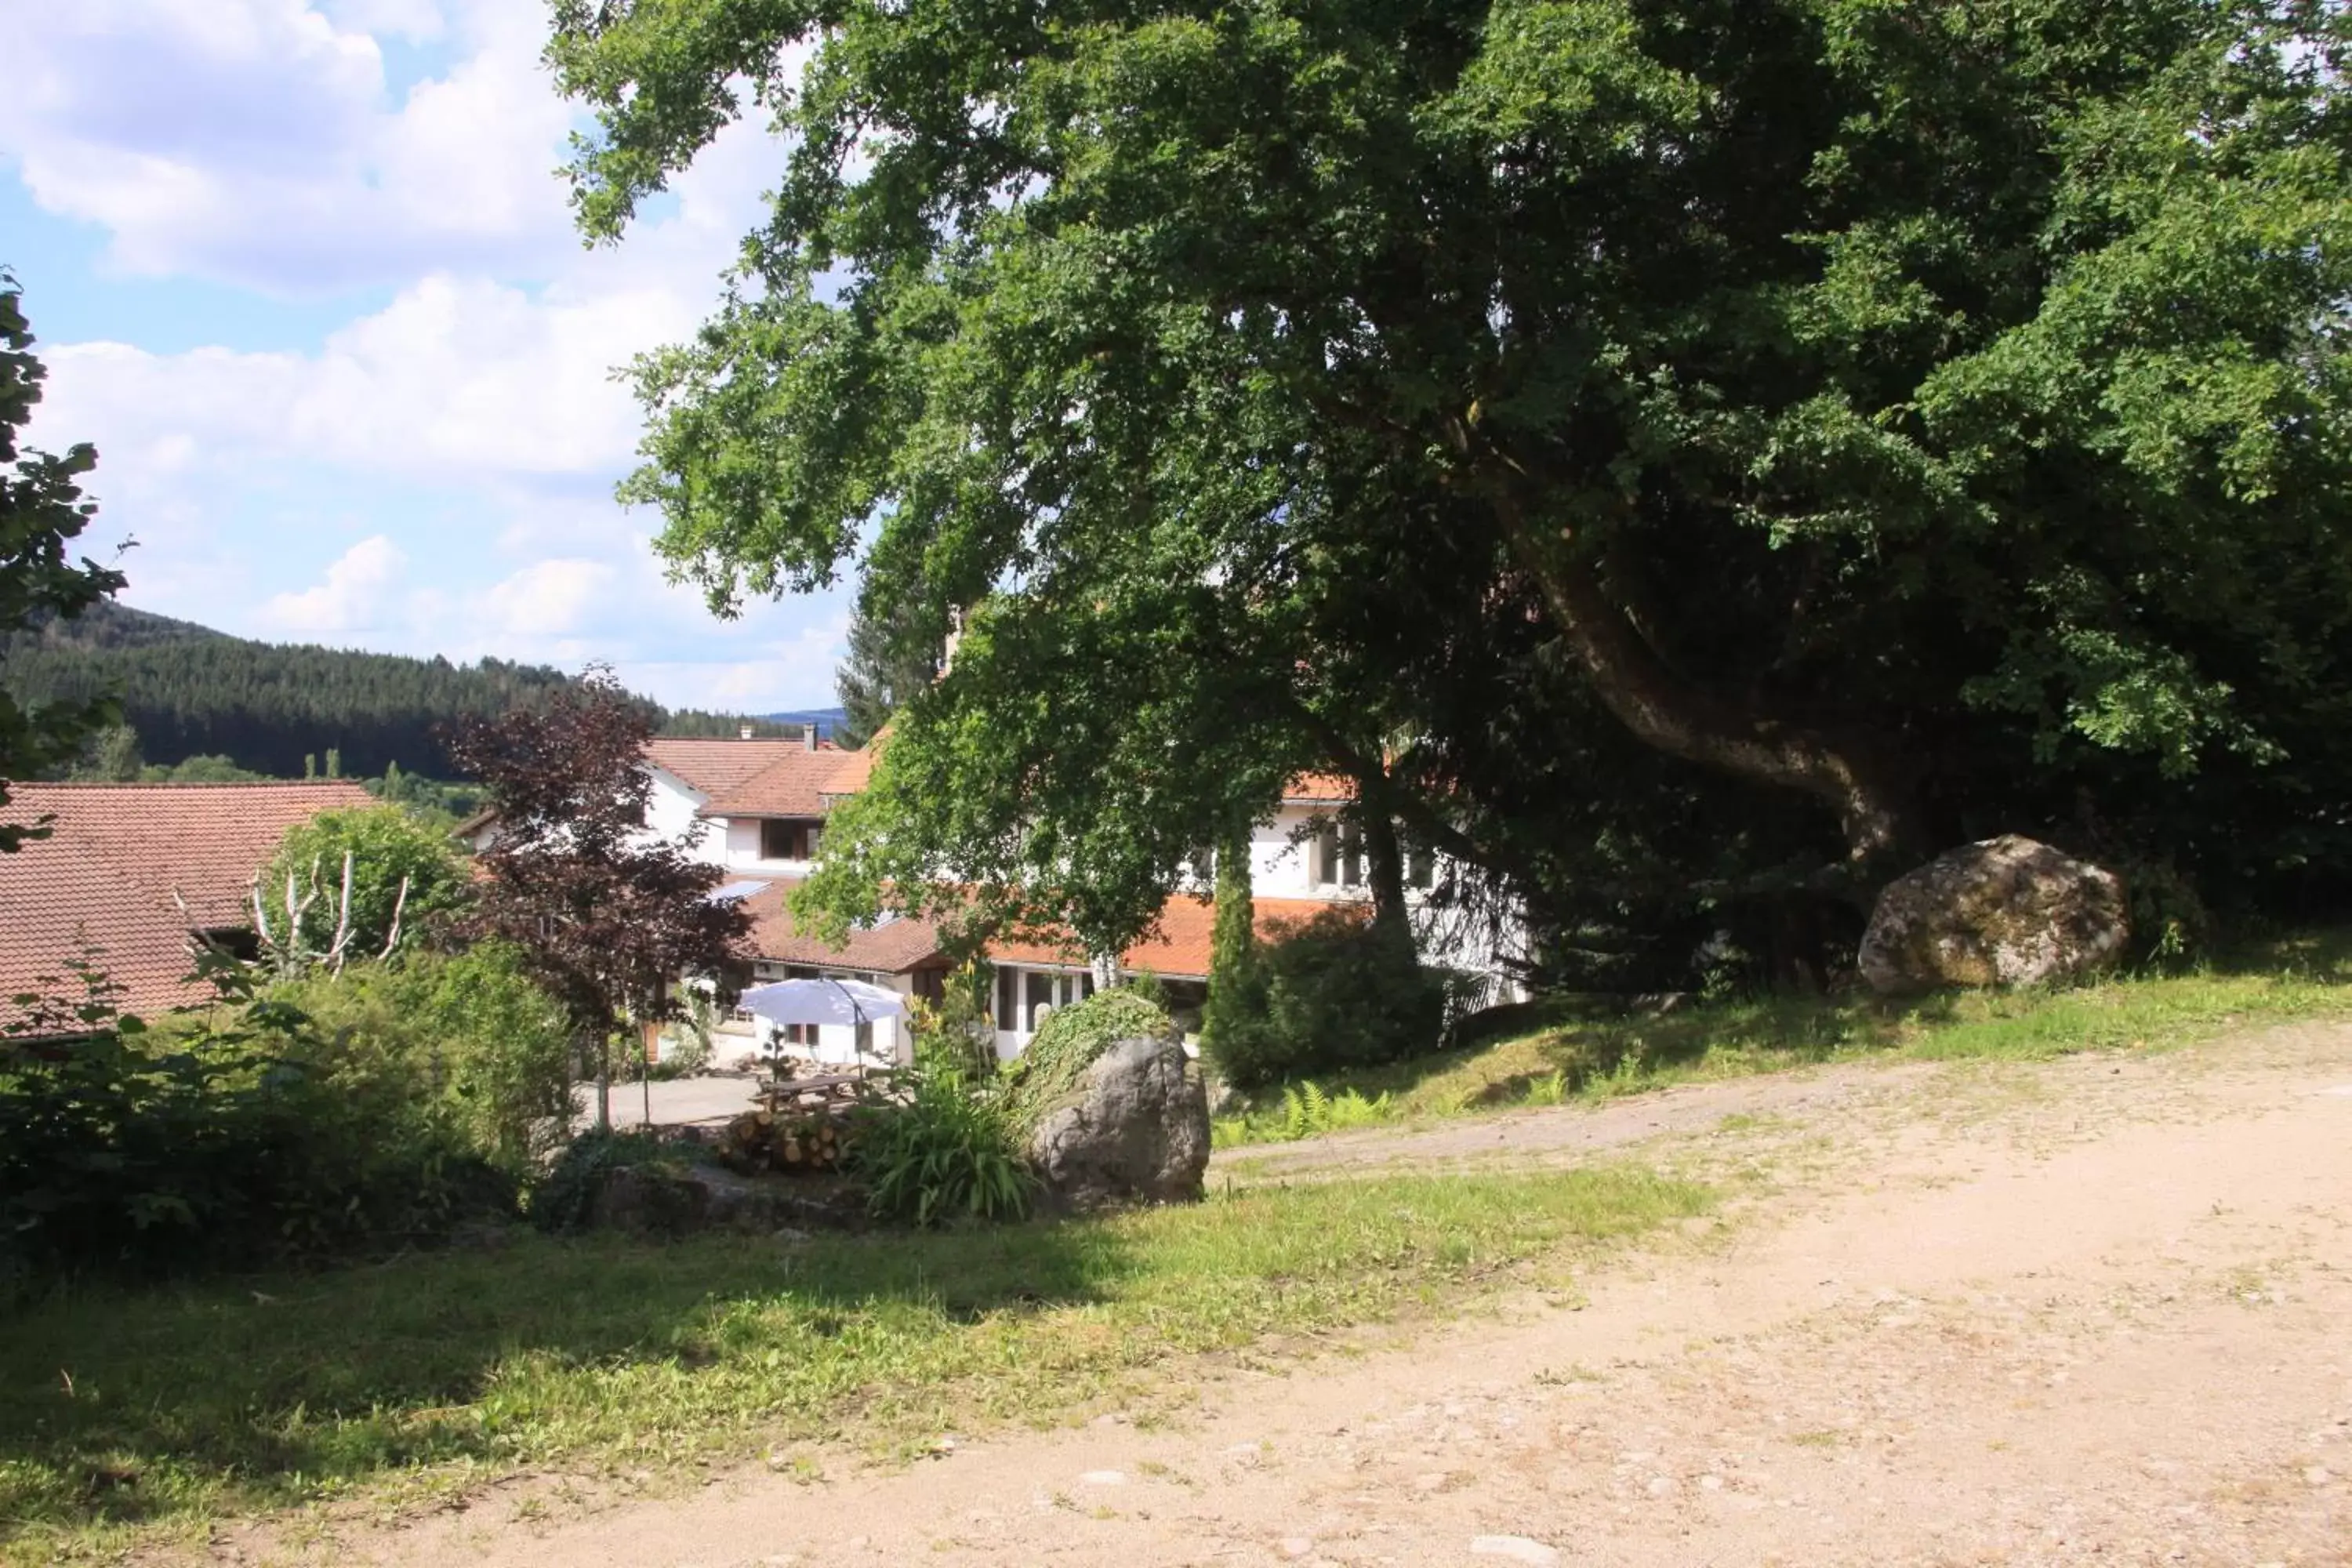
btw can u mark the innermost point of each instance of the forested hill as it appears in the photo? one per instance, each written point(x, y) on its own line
point(189, 690)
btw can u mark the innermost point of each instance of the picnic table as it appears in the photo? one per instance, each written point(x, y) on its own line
point(818, 1092)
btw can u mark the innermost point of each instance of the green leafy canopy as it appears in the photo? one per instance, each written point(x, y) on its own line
point(1923, 418)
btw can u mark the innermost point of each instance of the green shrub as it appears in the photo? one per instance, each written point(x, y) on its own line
point(234, 1137)
point(953, 1034)
point(469, 1040)
point(1237, 1020)
point(1070, 1040)
point(1341, 993)
point(1307, 1110)
point(386, 844)
point(947, 1153)
point(688, 1043)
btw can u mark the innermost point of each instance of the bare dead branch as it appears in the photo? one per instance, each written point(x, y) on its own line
point(399, 905)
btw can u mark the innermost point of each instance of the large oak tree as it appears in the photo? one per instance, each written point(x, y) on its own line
point(1931, 415)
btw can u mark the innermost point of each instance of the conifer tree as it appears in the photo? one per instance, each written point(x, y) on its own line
point(1236, 1025)
point(889, 661)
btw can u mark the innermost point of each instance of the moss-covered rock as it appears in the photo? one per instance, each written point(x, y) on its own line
point(1111, 1110)
point(1134, 1128)
point(2005, 911)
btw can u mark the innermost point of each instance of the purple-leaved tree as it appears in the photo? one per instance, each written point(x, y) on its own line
point(609, 914)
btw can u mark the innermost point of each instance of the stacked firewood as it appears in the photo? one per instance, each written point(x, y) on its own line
point(798, 1139)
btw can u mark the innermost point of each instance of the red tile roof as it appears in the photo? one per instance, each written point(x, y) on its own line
point(850, 776)
point(1179, 947)
point(64, 898)
point(714, 767)
point(891, 948)
point(1318, 789)
point(117, 853)
point(794, 784)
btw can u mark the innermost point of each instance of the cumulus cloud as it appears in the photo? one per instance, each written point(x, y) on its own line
point(418, 21)
point(456, 376)
point(459, 374)
point(255, 141)
point(458, 442)
point(352, 597)
point(551, 599)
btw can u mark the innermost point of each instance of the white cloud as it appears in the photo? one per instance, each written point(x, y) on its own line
point(550, 598)
point(352, 596)
point(418, 21)
point(459, 374)
point(449, 454)
point(255, 141)
point(782, 673)
point(456, 376)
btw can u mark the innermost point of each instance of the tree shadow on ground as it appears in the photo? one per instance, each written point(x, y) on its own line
point(121, 1405)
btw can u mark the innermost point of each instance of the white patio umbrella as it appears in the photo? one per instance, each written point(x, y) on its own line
point(823, 1001)
point(843, 1002)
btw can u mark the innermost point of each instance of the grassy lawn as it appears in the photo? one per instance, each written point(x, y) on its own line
point(125, 1415)
point(1592, 1052)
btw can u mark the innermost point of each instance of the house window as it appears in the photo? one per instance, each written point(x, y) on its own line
point(1025, 999)
point(782, 838)
point(1420, 866)
point(1339, 856)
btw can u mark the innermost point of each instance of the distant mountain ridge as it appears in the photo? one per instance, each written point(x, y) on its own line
point(189, 690)
point(828, 720)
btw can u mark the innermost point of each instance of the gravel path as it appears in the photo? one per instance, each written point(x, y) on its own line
point(2091, 1312)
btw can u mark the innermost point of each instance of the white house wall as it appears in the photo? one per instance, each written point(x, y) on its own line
point(670, 814)
point(740, 847)
point(1280, 869)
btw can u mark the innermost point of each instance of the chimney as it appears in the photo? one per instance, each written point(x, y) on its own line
point(808, 735)
point(743, 731)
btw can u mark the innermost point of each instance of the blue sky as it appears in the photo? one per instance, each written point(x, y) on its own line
point(303, 271)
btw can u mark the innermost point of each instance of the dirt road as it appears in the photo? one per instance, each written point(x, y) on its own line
point(2098, 1311)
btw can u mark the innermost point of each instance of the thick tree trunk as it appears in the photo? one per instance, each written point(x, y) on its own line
point(1383, 858)
point(1856, 776)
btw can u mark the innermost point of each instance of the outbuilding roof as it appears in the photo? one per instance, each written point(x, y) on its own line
point(1179, 947)
point(892, 946)
point(712, 767)
point(794, 784)
point(104, 878)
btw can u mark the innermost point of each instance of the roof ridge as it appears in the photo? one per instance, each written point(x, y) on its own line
point(15, 785)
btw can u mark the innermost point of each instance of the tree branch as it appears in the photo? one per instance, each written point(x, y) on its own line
point(1871, 793)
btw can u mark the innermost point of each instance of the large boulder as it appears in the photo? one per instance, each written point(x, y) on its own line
point(2005, 911)
point(1134, 1130)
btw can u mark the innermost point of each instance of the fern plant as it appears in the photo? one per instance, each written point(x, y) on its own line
point(948, 1152)
point(1550, 1089)
point(1308, 1110)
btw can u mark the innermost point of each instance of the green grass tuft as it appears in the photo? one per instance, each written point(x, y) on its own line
point(1597, 1051)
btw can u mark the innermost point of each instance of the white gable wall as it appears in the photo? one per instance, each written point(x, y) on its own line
point(670, 814)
